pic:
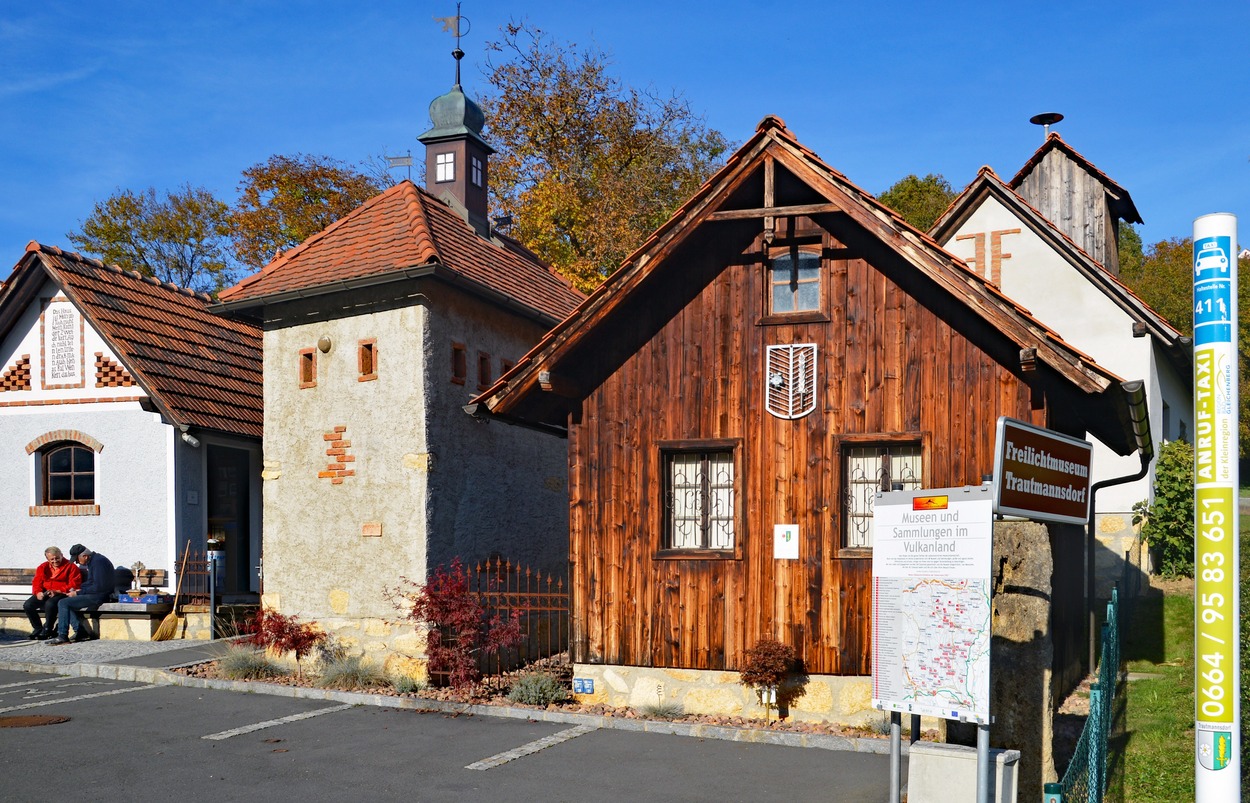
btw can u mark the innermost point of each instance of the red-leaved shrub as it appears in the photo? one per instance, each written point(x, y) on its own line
point(457, 630)
point(284, 634)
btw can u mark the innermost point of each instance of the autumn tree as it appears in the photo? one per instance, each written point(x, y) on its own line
point(1164, 280)
point(586, 166)
point(180, 237)
point(919, 201)
point(287, 199)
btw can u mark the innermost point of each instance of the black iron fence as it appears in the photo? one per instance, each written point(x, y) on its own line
point(539, 600)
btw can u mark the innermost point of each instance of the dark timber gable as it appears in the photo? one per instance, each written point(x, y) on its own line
point(913, 351)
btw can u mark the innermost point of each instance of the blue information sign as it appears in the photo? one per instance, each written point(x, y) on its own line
point(1213, 290)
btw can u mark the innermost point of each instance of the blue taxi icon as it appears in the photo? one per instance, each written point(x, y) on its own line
point(1210, 257)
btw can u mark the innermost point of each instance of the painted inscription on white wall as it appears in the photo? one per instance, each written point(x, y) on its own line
point(62, 345)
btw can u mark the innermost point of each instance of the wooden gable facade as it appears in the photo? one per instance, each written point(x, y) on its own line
point(782, 348)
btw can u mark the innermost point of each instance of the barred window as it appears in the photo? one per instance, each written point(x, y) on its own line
point(700, 500)
point(867, 469)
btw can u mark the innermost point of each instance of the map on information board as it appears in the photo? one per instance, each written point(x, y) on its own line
point(931, 602)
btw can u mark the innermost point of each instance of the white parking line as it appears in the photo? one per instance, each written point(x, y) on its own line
point(272, 722)
point(31, 682)
point(60, 700)
point(532, 747)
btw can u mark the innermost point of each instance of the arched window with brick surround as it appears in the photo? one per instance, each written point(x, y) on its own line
point(65, 474)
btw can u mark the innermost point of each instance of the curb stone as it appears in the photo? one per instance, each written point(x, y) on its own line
point(164, 677)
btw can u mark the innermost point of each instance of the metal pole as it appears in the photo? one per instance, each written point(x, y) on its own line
point(983, 763)
point(915, 729)
point(896, 754)
point(212, 596)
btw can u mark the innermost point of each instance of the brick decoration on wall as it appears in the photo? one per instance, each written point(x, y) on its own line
point(109, 374)
point(65, 510)
point(18, 375)
point(337, 468)
point(58, 435)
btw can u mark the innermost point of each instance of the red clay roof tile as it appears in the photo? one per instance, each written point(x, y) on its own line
point(205, 369)
point(406, 227)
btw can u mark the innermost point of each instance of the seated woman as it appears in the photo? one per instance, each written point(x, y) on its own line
point(54, 579)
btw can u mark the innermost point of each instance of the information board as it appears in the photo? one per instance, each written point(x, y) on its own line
point(931, 602)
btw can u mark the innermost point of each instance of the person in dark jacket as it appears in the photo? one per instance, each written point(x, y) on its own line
point(54, 579)
point(95, 591)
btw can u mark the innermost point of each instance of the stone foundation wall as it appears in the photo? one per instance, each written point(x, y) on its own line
point(1119, 542)
point(825, 698)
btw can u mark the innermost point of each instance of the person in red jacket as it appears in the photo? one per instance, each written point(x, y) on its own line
point(54, 579)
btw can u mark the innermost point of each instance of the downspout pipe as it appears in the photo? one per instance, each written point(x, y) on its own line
point(1139, 418)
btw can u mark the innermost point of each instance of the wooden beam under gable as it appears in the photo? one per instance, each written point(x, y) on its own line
point(962, 284)
point(770, 212)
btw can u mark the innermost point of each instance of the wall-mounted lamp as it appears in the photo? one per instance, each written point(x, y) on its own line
point(190, 440)
point(324, 344)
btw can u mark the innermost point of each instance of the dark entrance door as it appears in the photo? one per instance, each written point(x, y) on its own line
point(229, 513)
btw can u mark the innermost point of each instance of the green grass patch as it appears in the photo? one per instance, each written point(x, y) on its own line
point(1159, 714)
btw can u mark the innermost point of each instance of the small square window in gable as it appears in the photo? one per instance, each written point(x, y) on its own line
point(308, 368)
point(459, 363)
point(367, 360)
point(484, 379)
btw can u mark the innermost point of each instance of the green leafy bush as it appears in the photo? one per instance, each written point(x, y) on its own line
point(537, 688)
point(247, 663)
point(351, 673)
point(1168, 524)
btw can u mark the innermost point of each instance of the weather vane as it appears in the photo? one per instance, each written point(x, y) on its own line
point(454, 26)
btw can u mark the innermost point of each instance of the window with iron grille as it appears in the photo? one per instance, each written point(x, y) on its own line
point(700, 499)
point(868, 468)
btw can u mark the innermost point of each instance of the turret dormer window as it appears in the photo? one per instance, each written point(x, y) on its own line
point(475, 171)
point(444, 167)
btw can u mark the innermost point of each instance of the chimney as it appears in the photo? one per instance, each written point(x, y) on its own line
point(456, 156)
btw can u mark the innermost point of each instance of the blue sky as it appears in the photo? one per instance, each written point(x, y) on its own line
point(100, 96)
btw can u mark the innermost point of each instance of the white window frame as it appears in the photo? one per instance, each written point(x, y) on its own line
point(444, 167)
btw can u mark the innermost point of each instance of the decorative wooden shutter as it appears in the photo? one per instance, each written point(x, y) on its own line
point(791, 381)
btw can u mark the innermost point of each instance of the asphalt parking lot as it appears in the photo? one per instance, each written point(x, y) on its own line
point(173, 742)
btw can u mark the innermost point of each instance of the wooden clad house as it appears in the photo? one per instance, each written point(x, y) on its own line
point(777, 352)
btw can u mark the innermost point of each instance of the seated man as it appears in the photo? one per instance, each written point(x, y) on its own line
point(54, 579)
point(95, 591)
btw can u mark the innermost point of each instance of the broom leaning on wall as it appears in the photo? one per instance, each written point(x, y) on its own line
point(172, 621)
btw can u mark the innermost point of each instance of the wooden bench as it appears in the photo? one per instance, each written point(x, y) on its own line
point(122, 621)
point(24, 577)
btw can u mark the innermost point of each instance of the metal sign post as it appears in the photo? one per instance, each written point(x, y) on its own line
point(1217, 686)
